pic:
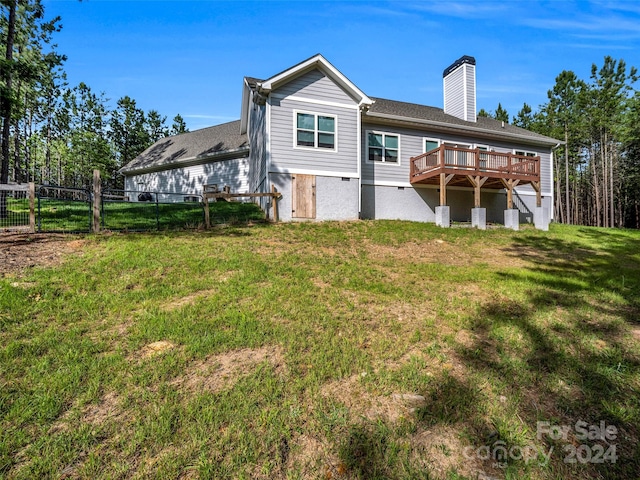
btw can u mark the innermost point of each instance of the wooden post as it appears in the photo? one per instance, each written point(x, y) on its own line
point(97, 200)
point(32, 207)
point(207, 219)
point(536, 187)
point(509, 185)
point(443, 189)
point(274, 199)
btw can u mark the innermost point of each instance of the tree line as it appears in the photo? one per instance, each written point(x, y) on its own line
point(54, 133)
point(597, 168)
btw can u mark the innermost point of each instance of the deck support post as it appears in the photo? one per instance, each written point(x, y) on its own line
point(478, 214)
point(443, 216)
point(479, 218)
point(540, 214)
point(541, 218)
point(536, 187)
point(512, 218)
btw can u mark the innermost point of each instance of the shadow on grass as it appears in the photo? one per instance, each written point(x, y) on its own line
point(576, 361)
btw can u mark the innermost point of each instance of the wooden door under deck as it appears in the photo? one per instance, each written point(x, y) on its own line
point(303, 196)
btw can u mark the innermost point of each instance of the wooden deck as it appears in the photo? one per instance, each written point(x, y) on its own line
point(453, 166)
point(462, 163)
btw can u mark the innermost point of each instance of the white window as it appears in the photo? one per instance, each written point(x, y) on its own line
point(315, 131)
point(383, 147)
point(525, 153)
point(431, 144)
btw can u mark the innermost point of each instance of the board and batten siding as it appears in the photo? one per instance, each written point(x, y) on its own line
point(190, 180)
point(412, 144)
point(324, 98)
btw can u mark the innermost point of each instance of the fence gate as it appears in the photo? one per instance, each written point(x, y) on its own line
point(17, 212)
point(62, 209)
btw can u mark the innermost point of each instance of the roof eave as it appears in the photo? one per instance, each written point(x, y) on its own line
point(187, 162)
point(466, 128)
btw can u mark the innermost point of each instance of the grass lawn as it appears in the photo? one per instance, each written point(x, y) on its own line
point(335, 350)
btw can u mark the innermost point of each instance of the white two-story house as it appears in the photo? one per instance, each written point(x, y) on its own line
point(334, 153)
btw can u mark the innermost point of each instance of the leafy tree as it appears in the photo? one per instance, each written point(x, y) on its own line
point(484, 113)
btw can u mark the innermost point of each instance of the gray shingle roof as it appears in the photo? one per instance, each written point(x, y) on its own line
point(222, 140)
point(434, 114)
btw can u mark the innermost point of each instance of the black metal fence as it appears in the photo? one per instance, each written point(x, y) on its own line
point(137, 211)
point(51, 208)
point(63, 209)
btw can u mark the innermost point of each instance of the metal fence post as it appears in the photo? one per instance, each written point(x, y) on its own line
point(97, 196)
point(157, 213)
point(32, 207)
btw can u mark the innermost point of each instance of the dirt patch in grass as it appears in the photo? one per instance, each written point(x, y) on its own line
point(21, 251)
point(440, 251)
point(222, 371)
point(353, 395)
point(108, 409)
point(441, 450)
point(180, 302)
point(156, 348)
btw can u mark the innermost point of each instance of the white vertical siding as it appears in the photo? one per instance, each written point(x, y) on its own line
point(470, 92)
point(454, 93)
point(190, 180)
point(460, 92)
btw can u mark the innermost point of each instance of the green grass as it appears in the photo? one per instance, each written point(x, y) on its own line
point(286, 350)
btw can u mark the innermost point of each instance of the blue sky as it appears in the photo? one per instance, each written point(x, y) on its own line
point(190, 56)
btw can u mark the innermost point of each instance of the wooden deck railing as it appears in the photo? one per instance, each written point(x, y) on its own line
point(466, 161)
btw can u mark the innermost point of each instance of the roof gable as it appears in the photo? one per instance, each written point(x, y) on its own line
point(322, 64)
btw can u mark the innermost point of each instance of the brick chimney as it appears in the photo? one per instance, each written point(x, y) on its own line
point(459, 81)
